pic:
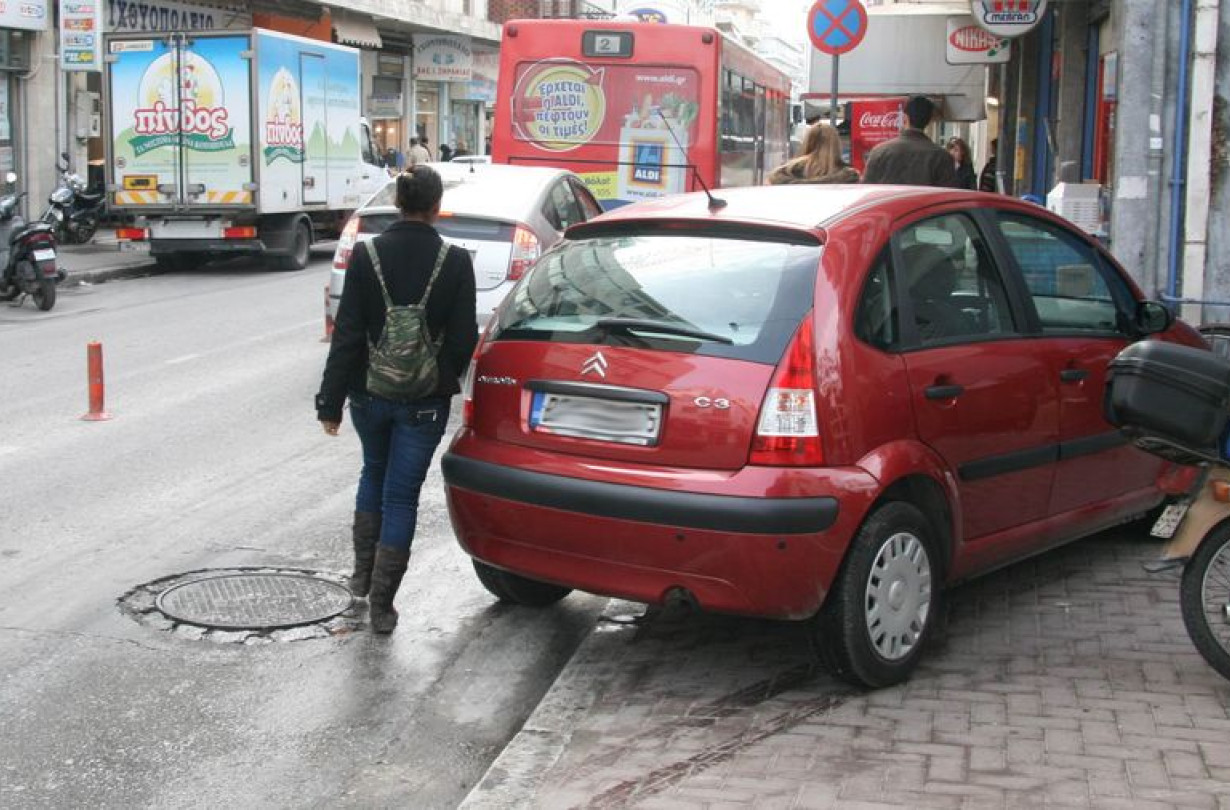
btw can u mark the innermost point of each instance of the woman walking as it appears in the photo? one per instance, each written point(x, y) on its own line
point(406, 266)
point(820, 162)
point(962, 163)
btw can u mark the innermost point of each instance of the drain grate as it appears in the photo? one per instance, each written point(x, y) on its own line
point(254, 601)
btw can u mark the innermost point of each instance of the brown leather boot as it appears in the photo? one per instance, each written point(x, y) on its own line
point(386, 579)
point(366, 535)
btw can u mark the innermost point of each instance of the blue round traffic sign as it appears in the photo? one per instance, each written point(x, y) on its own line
point(836, 26)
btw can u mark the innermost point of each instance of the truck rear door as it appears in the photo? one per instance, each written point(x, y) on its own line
point(180, 121)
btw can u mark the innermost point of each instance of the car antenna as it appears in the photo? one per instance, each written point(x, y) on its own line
point(715, 203)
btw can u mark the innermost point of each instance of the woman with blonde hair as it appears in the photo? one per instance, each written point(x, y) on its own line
point(820, 162)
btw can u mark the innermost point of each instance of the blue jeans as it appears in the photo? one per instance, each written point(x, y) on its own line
point(398, 440)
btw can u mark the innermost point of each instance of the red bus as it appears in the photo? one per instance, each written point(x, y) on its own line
point(638, 110)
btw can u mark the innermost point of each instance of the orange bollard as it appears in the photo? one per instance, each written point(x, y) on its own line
point(328, 319)
point(94, 361)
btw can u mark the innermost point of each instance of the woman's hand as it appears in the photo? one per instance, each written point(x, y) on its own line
point(330, 427)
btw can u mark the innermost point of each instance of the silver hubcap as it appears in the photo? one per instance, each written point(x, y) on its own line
point(1215, 596)
point(898, 596)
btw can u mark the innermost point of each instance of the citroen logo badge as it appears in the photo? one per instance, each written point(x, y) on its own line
point(595, 365)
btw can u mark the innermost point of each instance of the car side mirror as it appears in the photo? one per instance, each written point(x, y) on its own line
point(1153, 317)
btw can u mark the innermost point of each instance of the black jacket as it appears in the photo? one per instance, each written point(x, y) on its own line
point(407, 254)
point(910, 159)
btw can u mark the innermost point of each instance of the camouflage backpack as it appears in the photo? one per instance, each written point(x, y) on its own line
point(402, 364)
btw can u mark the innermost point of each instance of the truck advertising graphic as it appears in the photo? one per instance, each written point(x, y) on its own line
point(262, 124)
point(168, 103)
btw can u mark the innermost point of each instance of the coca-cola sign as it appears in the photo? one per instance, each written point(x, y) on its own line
point(970, 44)
point(892, 120)
point(872, 122)
point(1008, 18)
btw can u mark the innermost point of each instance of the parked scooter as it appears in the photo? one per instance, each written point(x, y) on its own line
point(27, 254)
point(71, 210)
point(1174, 401)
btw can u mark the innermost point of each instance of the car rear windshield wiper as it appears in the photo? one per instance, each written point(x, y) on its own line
point(660, 327)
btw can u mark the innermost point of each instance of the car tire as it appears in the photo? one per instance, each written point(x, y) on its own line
point(517, 590)
point(880, 613)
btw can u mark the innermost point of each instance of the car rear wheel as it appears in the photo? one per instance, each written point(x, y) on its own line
point(881, 611)
point(518, 590)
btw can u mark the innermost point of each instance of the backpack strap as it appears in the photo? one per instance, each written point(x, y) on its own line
point(435, 271)
point(375, 257)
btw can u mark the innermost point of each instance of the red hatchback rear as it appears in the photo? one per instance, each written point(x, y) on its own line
point(813, 402)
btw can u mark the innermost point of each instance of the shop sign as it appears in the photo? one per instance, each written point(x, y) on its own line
point(483, 81)
point(143, 16)
point(969, 44)
point(384, 106)
point(393, 65)
point(81, 34)
point(6, 132)
point(1008, 18)
point(873, 122)
point(30, 15)
point(443, 57)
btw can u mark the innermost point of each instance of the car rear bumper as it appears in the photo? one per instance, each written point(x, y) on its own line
point(734, 552)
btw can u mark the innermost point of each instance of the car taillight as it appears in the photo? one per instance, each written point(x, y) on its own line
point(525, 252)
point(132, 234)
point(345, 244)
point(239, 232)
point(788, 432)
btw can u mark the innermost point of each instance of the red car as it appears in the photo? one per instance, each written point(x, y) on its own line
point(817, 402)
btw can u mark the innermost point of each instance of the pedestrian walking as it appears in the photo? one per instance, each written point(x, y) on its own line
point(986, 180)
point(820, 162)
point(962, 163)
point(912, 158)
point(404, 332)
point(417, 153)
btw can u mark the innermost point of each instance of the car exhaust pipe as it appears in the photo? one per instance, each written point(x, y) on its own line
point(680, 600)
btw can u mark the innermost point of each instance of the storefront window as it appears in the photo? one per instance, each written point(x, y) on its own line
point(464, 126)
point(427, 117)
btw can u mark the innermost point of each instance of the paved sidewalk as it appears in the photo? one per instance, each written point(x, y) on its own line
point(102, 259)
point(1065, 681)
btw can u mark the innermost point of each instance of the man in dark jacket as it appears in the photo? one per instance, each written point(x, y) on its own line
point(912, 159)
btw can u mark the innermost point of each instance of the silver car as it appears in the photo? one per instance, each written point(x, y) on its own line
point(505, 216)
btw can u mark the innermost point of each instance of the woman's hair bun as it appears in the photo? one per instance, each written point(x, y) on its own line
point(419, 190)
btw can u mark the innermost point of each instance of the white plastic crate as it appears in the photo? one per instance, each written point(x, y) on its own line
point(1079, 203)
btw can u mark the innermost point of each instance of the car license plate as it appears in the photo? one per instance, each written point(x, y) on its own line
point(593, 418)
point(1171, 517)
point(45, 255)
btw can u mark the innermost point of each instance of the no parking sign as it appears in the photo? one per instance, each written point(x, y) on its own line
point(835, 27)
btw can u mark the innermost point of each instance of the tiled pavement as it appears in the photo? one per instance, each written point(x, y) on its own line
point(1064, 681)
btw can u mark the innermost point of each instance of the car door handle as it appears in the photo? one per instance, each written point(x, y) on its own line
point(1073, 374)
point(944, 391)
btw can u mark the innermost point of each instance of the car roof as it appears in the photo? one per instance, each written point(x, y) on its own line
point(797, 206)
point(491, 189)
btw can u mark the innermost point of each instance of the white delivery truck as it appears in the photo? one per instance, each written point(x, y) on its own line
point(235, 143)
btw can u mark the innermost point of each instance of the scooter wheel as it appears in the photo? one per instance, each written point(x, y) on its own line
point(45, 294)
point(1204, 596)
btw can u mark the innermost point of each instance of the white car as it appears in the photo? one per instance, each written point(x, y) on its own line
point(505, 216)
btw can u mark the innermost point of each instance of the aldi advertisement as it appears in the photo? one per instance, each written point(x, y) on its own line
point(643, 118)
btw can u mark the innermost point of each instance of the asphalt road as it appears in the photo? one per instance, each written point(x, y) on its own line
point(213, 459)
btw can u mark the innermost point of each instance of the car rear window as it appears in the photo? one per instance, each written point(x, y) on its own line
point(741, 298)
point(452, 227)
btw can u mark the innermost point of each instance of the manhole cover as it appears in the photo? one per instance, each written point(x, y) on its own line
point(254, 601)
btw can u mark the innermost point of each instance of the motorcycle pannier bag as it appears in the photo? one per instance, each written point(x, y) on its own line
point(1176, 393)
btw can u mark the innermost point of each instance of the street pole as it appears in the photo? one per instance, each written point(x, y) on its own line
point(833, 99)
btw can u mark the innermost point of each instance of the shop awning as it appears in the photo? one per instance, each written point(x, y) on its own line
point(356, 29)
